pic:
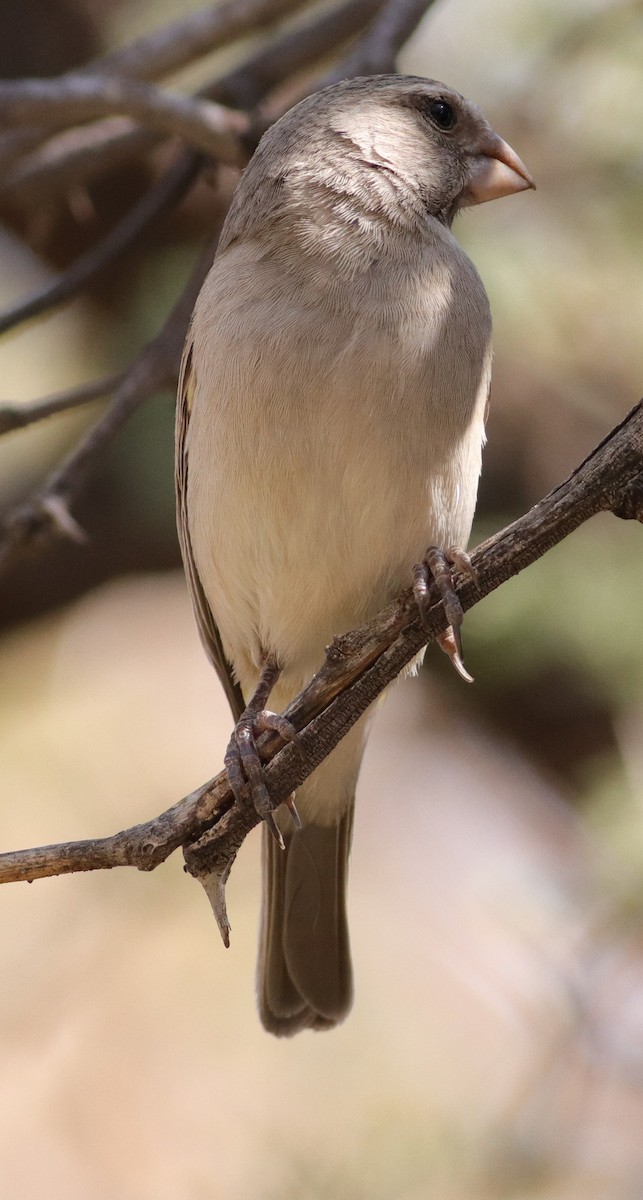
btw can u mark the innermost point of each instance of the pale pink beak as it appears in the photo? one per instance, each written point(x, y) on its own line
point(495, 171)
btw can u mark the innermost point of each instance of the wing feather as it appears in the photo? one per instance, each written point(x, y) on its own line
point(206, 623)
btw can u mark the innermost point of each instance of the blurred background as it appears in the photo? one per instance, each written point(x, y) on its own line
point(496, 1044)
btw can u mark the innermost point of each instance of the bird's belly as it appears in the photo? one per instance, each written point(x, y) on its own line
point(328, 451)
point(302, 540)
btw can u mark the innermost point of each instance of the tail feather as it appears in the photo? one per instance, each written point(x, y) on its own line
point(305, 974)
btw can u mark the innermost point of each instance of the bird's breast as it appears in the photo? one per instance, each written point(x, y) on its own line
point(336, 431)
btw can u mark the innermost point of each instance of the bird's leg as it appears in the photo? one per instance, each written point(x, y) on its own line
point(242, 761)
point(437, 565)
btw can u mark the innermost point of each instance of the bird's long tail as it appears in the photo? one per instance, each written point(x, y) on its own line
point(305, 976)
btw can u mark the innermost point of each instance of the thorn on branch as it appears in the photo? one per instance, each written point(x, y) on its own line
point(35, 523)
point(55, 507)
point(39, 519)
point(210, 859)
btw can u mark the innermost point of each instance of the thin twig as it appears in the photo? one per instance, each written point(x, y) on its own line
point(78, 155)
point(18, 416)
point(246, 85)
point(203, 124)
point(165, 50)
point(359, 666)
point(75, 157)
point(377, 50)
point(165, 192)
point(47, 514)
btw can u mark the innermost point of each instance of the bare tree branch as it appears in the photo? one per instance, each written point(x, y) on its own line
point(359, 666)
point(47, 514)
point(165, 192)
point(18, 416)
point(203, 124)
point(246, 85)
point(166, 50)
point(79, 154)
point(377, 50)
point(301, 47)
point(75, 156)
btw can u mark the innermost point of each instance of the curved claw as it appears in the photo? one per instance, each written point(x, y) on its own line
point(440, 569)
point(421, 589)
point(437, 566)
point(460, 559)
point(292, 809)
point(275, 830)
point(446, 641)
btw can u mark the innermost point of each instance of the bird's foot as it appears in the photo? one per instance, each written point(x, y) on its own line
point(245, 769)
point(437, 565)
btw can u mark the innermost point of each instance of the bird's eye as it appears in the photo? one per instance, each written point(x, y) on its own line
point(442, 114)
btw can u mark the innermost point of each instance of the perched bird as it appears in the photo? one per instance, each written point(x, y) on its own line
point(329, 435)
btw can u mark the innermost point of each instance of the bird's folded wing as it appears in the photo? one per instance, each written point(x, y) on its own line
point(205, 621)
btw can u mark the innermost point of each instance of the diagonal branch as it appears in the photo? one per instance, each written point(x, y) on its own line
point(245, 85)
point(203, 124)
point(47, 514)
point(165, 192)
point(166, 50)
point(18, 416)
point(359, 666)
point(377, 50)
point(77, 155)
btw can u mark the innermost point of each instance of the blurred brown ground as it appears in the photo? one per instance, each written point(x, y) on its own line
point(496, 1035)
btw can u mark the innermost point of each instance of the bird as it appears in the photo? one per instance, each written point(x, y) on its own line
point(330, 424)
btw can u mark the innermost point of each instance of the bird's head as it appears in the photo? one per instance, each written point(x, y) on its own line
point(376, 152)
point(424, 134)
